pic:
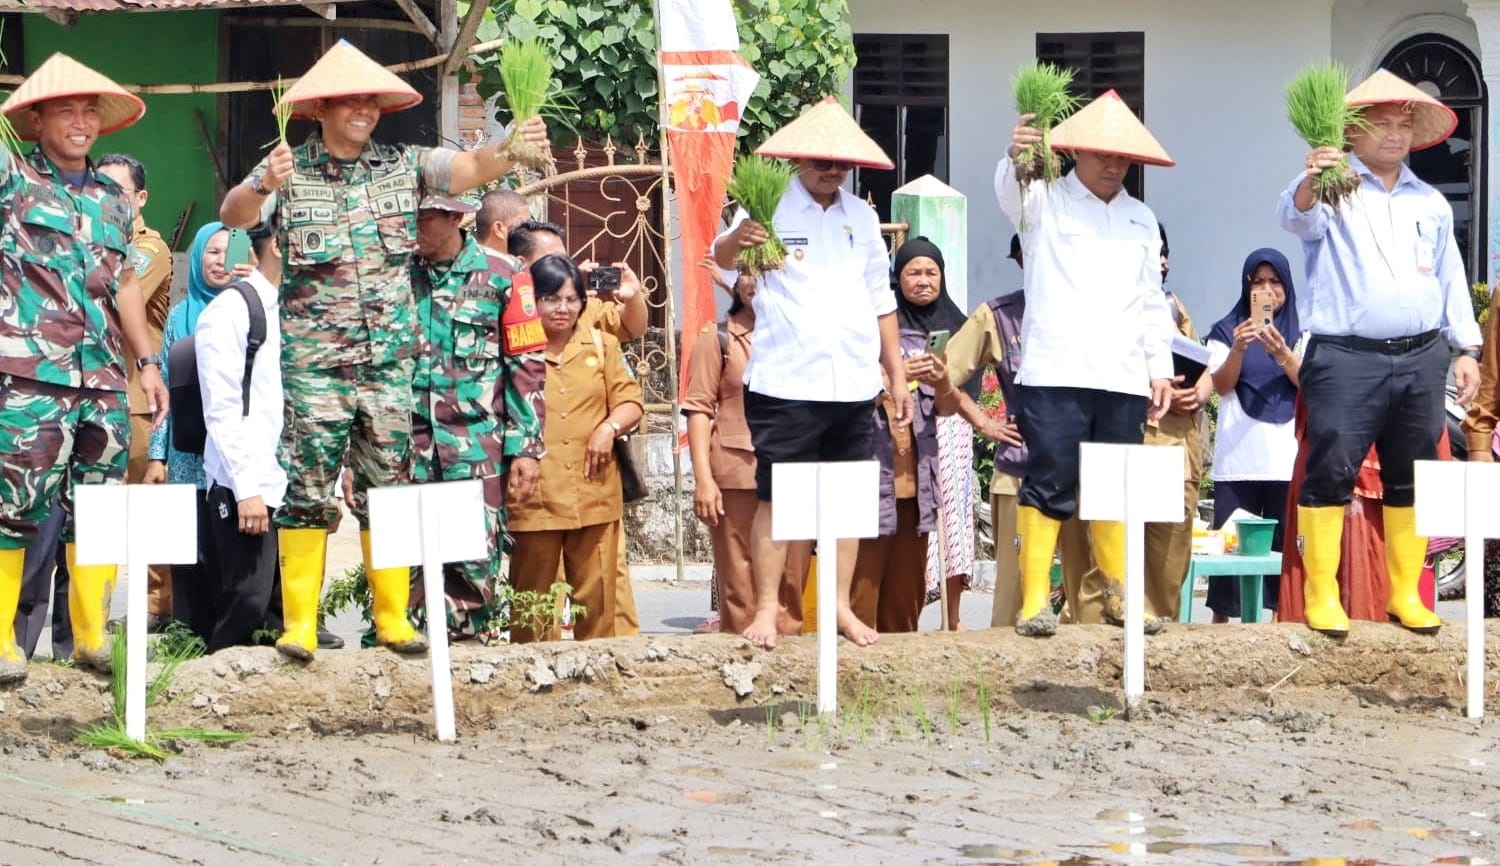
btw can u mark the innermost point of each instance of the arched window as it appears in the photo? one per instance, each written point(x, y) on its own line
point(1443, 68)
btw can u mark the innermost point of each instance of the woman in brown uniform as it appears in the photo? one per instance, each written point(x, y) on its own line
point(592, 399)
point(724, 467)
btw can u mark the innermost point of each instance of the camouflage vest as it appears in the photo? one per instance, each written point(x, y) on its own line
point(348, 231)
point(62, 251)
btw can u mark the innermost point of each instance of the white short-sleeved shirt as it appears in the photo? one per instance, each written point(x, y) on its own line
point(816, 335)
point(1247, 449)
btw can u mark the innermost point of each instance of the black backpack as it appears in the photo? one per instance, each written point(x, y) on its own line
point(188, 430)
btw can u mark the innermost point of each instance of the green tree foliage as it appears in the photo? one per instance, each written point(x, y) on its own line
point(606, 62)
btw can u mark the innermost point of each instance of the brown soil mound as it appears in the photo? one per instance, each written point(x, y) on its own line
point(1189, 669)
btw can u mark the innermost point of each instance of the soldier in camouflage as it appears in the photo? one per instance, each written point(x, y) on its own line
point(69, 301)
point(479, 384)
point(347, 209)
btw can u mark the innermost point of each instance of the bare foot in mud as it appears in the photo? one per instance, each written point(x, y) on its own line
point(857, 632)
point(762, 631)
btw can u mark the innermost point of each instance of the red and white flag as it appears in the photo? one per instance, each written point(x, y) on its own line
point(707, 84)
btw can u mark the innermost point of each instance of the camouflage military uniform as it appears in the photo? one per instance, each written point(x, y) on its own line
point(347, 232)
point(479, 388)
point(63, 416)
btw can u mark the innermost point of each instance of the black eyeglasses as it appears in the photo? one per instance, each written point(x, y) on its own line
point(830, 165)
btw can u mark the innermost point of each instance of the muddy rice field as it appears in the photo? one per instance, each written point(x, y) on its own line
point(1255, 744)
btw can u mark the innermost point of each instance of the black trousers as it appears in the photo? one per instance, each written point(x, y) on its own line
point(238, 573)
point(806, 431)
point(45, 579)
point(1055, 422)
point(1357, 398)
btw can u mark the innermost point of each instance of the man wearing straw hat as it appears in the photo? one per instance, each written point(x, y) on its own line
point(69, 302)
point(479, 386)
point(1388, 298)
point(825, 328)
point(347, 222)
point(1097, 332)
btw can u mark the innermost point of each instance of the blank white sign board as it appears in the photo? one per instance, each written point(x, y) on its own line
point(1457, 500)
point(827, 502)
point(429, 525)
point(1135, 484)
point(135, 525)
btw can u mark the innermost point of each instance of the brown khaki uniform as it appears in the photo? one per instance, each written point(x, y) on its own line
point(978, 345)
point(1169, 546)
point(716, 389)
point(890, 574)
point(572, 519)
point(1484, 412)
point(152, 262)
point(605, 315)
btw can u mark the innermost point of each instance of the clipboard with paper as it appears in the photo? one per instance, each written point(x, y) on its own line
point(1189, 359)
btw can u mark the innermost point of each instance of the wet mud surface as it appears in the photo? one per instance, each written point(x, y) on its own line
point(1255, 744)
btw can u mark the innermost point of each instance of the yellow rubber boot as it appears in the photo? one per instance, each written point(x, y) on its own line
point(1321, 533)
point(1405, 554)
point(1037, 534)
point(302, 559)
point(89, 590)
point(12, 660)
point(391, 588)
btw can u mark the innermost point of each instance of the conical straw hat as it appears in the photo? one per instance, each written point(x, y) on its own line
point(1432, 121)
point(63, 76)
point(826, 131)
point(347, 71)
point(1107, 125)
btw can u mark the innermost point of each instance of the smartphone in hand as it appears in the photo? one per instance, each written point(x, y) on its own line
point(937, 343)
point(1262, 306)
point(238, 250)
point(604, 280)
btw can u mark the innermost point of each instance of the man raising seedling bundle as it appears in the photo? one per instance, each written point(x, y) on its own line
point(69, 300)
point(1385, 282)
point(347, 223)
point(1097, 333)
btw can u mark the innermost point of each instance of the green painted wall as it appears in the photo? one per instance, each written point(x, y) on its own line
point(151, 48)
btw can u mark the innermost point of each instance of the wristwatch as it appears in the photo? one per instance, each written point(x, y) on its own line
point(1472, 352)
point(258, 187)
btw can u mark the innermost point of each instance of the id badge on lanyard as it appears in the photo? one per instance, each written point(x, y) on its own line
point(1426, 253)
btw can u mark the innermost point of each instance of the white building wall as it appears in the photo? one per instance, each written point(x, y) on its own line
point(1215, 75)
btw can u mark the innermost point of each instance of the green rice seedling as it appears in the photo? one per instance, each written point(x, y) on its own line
point(1316, 107)
point(864, 707)
point(170, 654)
point(758, 184)
point(526, 72)
point(919, 709)
point(773, 721)
point(283, 109)
point(9, 138)
point(984, 706)
point(954, 702)
point(1043, 90)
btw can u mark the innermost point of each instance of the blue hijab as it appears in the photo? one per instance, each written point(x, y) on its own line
point(1264, 391)
point(199, 292)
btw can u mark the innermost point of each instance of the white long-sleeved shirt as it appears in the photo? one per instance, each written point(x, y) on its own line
point(1096, 316)
point(241, 449)
point(816, 336)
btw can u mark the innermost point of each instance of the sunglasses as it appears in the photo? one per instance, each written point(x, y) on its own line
point(830, 165)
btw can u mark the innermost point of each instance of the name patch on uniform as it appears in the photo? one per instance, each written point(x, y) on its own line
point(522, 329)
point(524, 337)
point(299, 193)
point(795, 242)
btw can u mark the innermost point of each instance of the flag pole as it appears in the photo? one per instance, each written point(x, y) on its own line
point(669, 306)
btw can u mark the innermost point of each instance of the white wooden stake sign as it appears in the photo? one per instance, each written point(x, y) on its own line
point(135, 525)
point(1136, 484)
point(827, 502)
point(429, 525)
point(1451, 502)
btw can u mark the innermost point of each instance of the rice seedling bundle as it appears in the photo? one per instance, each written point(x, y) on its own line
point(758, 184)
point(1316, 106)
point(1043, 90)
point(526, 72)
